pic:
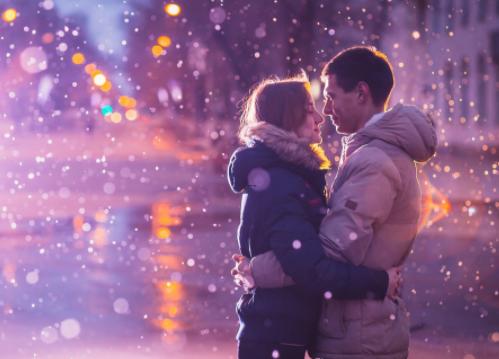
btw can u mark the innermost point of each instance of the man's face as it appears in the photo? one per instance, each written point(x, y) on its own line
point(341, 107)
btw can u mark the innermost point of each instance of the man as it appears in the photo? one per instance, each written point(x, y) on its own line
point(374, 204)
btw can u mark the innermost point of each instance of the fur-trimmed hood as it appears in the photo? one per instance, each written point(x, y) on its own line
point(288, 146)
point(268, 146)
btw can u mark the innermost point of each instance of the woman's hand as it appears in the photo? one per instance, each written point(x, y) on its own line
point(242, 272)
point(394, 282)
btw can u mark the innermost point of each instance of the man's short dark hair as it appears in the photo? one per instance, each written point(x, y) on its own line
point(362, 63)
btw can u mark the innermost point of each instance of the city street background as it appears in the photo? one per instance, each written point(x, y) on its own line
point(117, 118)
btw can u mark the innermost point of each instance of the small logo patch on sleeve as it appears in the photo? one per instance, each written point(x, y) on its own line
point(351, 204)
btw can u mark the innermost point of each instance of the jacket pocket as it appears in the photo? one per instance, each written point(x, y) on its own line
point(385, 326)
point(332, 321)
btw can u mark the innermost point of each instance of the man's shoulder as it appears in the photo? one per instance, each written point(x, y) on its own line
point(370, 158)
point(367, 155)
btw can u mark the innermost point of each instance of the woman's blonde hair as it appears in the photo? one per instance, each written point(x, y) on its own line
point(281, 103)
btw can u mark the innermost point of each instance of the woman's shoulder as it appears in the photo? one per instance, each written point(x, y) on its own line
point(274, 182)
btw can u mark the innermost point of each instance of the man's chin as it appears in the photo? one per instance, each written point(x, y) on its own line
point(340, 130)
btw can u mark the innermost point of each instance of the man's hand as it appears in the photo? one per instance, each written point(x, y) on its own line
point(394, 282)
point(242, 272)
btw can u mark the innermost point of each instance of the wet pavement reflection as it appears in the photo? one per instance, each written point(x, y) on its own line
point(155, 275)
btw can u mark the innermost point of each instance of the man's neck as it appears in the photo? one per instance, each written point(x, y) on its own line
point(369, 114)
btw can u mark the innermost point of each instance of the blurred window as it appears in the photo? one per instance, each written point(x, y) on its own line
point(465, 88)
point(449, 96)
point(465, 16)
point(482, 10)
point(436, 16)
point(482, 88)
point(449, 16)
point(497, 94)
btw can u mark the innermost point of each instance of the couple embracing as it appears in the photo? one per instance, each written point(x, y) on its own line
point(322, 269)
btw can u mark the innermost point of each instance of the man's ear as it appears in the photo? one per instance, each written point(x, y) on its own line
point(363, 92)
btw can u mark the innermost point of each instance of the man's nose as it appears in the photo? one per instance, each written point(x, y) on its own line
point(326, 110)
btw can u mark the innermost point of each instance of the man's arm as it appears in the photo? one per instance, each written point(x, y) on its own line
point(267, 271)
point(294, 241)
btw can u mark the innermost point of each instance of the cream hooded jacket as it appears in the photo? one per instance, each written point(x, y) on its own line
point(372, 220)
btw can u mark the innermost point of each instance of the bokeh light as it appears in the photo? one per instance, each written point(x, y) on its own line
point(131, 114)
point(47, 38)
point(107, 110)
point(90, 68)
point(115, 117)
point(173, 9)
point(164, 41)
point(78, 58)
point(99, 79)
point(33, 59)
point(107, 86)
point(157, 51)
point(127, 102)
point(9, 15)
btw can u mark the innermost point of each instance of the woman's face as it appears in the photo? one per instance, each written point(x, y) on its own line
point(310, 129)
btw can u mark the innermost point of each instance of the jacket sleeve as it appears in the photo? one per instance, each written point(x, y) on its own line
point(295, 243)
point(364, 199)
point(267, 271)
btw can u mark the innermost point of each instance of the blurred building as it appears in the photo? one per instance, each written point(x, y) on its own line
point(446, 56)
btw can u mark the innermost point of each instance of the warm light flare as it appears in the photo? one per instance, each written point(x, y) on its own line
point(99, 236)
point(435, 207)
point(9, 272)
point(171, 291)
point(164, 41)
point(131, 115)
point(90, 69)
point(78, 58)
point(115, 117)
point(167, 324)
point(107, 86)
point(162, 232)
point(173, 9)
point(9, 15)
point(99, 79)
point(78, 222)
point(127, 102)
point(157, 51)
point(47, 38)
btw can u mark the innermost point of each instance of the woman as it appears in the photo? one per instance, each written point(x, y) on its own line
point(280, 173)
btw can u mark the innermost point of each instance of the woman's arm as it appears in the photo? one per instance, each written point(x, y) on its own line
point(295, 244)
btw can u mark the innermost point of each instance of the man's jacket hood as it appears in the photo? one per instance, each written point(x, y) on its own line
point(403, 126)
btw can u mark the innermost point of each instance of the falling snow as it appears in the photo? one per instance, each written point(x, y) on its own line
point(117, 121)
